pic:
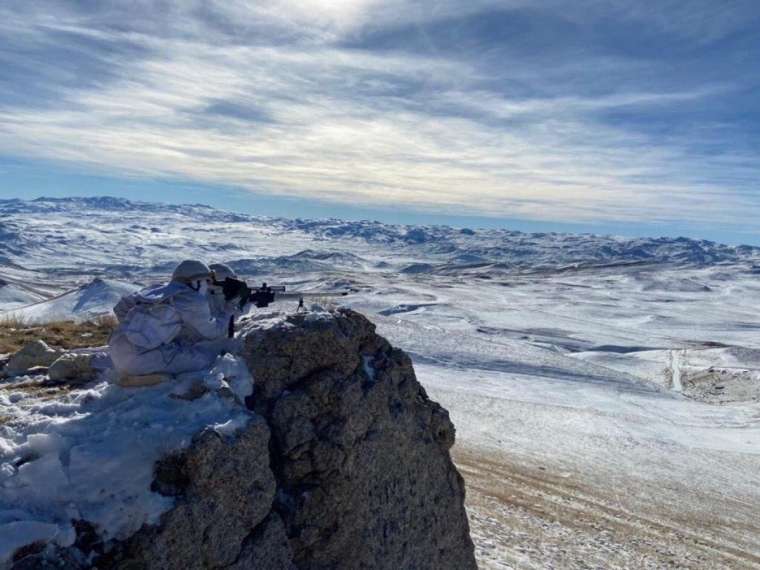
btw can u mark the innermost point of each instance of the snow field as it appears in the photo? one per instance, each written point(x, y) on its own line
point(604, 390)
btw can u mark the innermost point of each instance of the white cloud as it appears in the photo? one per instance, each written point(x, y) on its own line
point(308, 118)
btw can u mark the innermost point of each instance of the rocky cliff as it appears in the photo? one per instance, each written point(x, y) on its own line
point(340, 461)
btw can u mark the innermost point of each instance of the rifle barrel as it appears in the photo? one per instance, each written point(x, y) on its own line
point(297, 295)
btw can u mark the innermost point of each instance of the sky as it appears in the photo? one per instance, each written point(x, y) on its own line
point(628, 117)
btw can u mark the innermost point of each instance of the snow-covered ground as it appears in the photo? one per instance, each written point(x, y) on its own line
point(84, 302)
point(606, 391)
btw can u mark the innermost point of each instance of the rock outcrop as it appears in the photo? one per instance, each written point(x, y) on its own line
point(225, 490)
point(33, 355)
point(344, 464)
point(72, 367)
point(361, 454)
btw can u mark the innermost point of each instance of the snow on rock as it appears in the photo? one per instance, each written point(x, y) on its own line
point(35, 353)
point(230, 373)
point(171, 478)
point(73, 367)
point(89, 455)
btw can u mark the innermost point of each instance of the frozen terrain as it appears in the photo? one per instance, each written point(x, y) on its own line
point(606, 391)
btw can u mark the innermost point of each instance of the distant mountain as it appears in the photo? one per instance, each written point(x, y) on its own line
point(78, 206)
point(59, 240)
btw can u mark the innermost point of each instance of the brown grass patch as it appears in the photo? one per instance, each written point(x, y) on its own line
point(14, 334)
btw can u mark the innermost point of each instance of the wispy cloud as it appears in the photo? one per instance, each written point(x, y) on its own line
point(299, 98)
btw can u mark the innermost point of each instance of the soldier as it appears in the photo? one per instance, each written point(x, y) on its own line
point(172, 328)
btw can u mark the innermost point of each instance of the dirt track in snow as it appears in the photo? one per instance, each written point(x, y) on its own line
point(525, 516)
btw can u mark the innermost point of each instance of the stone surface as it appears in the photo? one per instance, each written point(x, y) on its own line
point(140, 381)
point(267, 547)
point(36, 353)
point(224, 489)
point(344, 464)
point(361, 454)
point(72, 367)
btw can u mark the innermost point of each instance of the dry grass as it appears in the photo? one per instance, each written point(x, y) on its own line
point(14, 334)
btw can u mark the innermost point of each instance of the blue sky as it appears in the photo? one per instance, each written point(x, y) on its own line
point(638, 118)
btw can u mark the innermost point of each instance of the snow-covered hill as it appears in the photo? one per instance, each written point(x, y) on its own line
point(116, 237)
point(85, 302)
point(13, 295)
point(574, 366)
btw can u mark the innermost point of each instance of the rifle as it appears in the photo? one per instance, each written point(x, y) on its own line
point(261, 296)
point(266, 294)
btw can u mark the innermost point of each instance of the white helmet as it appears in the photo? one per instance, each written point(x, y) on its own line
point(191, 270)
point(222, 271)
